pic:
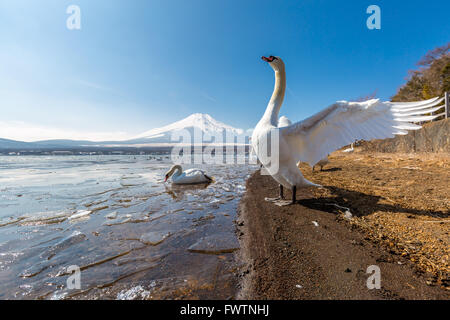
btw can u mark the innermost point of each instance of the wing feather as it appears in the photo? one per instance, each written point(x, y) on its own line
point(413, 103)
point(416, 112)
point(399, 108)
point(344, 122)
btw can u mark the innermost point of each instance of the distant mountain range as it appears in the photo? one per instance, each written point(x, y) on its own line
point(201, 127)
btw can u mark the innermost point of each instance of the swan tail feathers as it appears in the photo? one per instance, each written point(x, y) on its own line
point(307, 183)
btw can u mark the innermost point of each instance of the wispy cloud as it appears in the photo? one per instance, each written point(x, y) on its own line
point(17, 130)
point(208, 97)
point(93, 85)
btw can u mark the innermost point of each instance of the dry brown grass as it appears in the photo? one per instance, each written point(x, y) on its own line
point(401, 201)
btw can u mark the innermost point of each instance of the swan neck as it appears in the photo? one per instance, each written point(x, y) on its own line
point(273, 108)
point(176, 170)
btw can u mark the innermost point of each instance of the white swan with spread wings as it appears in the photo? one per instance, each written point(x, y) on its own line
point(338, 125)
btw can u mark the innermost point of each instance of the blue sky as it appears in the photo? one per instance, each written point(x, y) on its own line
point(136, 65)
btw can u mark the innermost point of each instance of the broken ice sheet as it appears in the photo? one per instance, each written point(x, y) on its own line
point(155, 237)
point(134, 293)
point(80, 214)
point(215, 244)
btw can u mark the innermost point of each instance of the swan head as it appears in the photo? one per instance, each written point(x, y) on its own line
point(275, 62)
point(168, 174)
point(172, 171)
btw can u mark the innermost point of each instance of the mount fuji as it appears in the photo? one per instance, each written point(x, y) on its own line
point(197, 127)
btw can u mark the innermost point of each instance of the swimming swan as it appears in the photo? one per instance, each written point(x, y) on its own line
point(190, 176)
point(338, 125)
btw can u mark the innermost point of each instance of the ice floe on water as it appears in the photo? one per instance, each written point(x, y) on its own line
point(135, 293)
point(80, 214)
point(215, 244)
point(65, 243)
point(111, 215)
point(154, 237)
point(43, 218)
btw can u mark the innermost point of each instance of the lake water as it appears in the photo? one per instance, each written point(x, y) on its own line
point(131, 235)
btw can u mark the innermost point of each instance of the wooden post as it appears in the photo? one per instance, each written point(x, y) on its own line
point(447, 106)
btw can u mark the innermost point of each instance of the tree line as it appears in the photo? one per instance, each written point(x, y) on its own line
point(431, 79)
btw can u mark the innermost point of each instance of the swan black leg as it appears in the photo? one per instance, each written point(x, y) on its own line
point(280, 200)
point(294, 194)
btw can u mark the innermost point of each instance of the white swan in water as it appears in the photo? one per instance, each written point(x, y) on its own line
point(190, 176)
point(314, 138)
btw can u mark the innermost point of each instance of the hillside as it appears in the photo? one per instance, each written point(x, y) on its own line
point(433, 137)
point(431, 79)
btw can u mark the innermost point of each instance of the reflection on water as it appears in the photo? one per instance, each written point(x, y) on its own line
point(131, 235)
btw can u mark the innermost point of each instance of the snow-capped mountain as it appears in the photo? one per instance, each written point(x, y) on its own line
point(195, 124)
point(198, 127)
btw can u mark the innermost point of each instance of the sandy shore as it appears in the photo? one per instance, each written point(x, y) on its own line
point(311, 251)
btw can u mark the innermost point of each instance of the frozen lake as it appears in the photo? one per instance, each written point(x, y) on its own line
point(131, 235)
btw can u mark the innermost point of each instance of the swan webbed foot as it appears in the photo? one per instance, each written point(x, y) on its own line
point(280, 197)
point(282, 203)
point(272, 199)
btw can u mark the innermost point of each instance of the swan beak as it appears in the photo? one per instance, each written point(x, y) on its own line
point(269, 59)
point(165, 179)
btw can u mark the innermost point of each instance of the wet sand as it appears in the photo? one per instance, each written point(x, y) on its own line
point(310, 250)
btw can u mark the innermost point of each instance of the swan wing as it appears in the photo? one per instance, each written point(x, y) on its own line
point(344, 122)
point(191, 176)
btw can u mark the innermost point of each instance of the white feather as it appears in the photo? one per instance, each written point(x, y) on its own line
point(345, 122)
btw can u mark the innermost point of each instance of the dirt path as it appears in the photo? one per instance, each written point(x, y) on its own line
point(287, 256)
